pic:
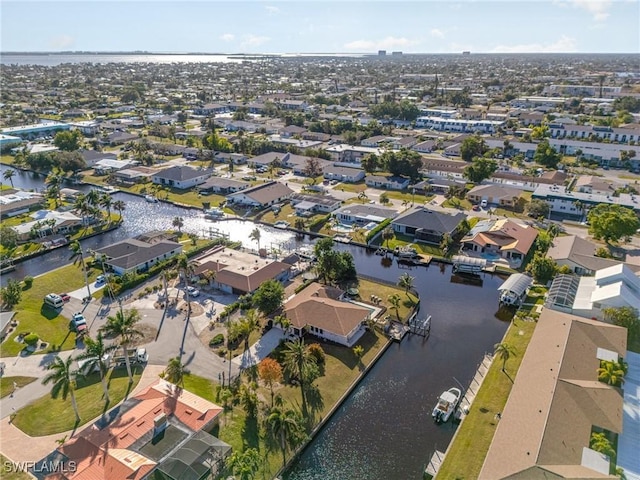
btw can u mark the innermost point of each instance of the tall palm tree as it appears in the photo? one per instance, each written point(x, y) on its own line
point(394, 300)
point(77, 255)
point(8, 175)
point(123, 325)
point(255, 236)
point(388, 234)
point(299, 363)
point(93, 197)
point(406, 281)
point(248, 324)
point(612, 373)
point(96, 355)
point(286, 427)
point(186, 269)
point(107, 202)
point(64, 381)
point(174, 372)
point(119, 207)
point(54, 183)
point(178, 222)
point(505, 351)
point(363, 197)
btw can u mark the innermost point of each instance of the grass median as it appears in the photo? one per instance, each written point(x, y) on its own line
point(470, 445)
point(8, 385)
point(47, 415)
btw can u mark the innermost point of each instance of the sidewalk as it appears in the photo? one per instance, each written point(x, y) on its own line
point(20, 447)
point(259, 350)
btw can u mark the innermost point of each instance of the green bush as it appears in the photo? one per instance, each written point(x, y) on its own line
point(316, 351)
point(31, 339)
point(217, 340)
point(373, 232)
point(28, 281)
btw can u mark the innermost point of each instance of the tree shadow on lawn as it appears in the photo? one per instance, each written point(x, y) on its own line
point(251, 433)
point(346, 355)
point(315, 401)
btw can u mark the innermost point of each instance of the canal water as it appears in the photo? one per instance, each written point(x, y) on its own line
point(384, 429)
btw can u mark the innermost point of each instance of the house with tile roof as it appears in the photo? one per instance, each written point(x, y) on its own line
point(162, 429)
point(504, 238)
point(425, 225)
point(261, 195)
point(556, 402)
point(181, 177)
point(323, 311)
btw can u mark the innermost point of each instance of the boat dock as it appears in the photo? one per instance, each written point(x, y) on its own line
point(434, 463)
point(397, 331)
point(342, 239)
point(474, 386)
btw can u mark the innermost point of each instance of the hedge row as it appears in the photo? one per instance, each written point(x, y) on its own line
point(381, 226)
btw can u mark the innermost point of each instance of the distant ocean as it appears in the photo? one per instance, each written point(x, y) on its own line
point(54, 59)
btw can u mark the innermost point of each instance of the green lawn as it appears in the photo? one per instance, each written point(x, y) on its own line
point(461, 204)
point(401, 240)
point(368, 288)
point(467, 452)
point(47, 415)
point(352, 187)
point(33, 316)
point(7, 159)
point(6, 384)
point(8, 473)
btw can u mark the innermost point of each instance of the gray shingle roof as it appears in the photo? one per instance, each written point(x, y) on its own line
point(420, 217)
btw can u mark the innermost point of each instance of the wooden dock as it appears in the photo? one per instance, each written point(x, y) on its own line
point(397, 330)
point(474, 386)
point(434, 463)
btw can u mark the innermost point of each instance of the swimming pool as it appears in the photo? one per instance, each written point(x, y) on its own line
point(490, 256)
point(340, 227)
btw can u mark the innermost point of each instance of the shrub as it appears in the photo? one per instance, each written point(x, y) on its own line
point(31, 339)
point(317, 352)
point(222, 352)
point(28, 281)
point(217, 340)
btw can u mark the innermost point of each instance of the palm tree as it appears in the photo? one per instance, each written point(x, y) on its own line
point(505, 351)
point(244, 464)
point(96, 355)
point(174, 372)
point(406, 281)
point(64, 381)
point(178, 222)
point(93, 197)
point(8, 175)
point(255, 235)
point(362, 196)
point(248, 324)
point(107, 202)
point(78, 257)
point(300, 224)
point(54, 183)
point(119, 207)
point(394, 300)
point(299, 363)
point(123, 325)
point(285, 426)
point(388, 234)
point(612, 373)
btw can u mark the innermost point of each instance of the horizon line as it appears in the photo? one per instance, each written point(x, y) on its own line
point(373, 53)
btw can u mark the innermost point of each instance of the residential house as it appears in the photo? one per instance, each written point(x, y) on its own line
point(500, 238)
point(118, 138)
point(387, 182)
point(424, 225)
point(236, 158)
point(611, 287)
point(261, 195)
point(377, 140)
point(91, 157)
point(344, 174)
point(574, 204)
point(306, 205)
point(288, 104)
point(181, 177)
point(621, 135)
point(350, 154)
point(162, 432)
point(443, 124)
point(324, 312)
point(404, 142)
point(240, 272)
point(16, 202)
point(292, 131)
point(5, 323)
point(363, 214)
point(427, 146)
point(591, 184)
point(131, 176)
point(500, 195)
point(443, 168)
point(579, 255)
point(88, 128)
point(556, 402)
point(222, 186)
point(138, 254)
point(210, 109)
point(46, 223)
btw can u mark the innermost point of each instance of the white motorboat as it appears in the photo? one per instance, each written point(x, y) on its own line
point(214, 213)
point(151, 199)
point(446, 405)
point(282, 224)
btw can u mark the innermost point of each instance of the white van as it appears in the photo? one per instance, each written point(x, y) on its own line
point(483, 204)
point(53, 300)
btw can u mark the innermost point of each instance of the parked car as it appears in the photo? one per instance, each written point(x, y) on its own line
point(475, 208)
point(65, 297)
point(79, 323)
point(101, 279)
point(193, 292)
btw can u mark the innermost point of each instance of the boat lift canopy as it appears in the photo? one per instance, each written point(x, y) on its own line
point(471, 261)
point(516, 283)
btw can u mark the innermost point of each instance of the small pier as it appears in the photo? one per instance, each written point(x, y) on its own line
point(342, 239)
point(420, 326)
point(212, 232)
point(474, 386)
point(396, 330)
point(434, 464)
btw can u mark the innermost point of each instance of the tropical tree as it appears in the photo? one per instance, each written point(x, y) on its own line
point(394, 300)
point(8, 175)
point(54, 183)
point(504, 351)
point(362, 196)
point(11, 293)
point(612, 373)
point(612, 222)
point(175, 372)
point(255, 236)
point(123, 325)
point(300, 364)
point(626, 317)
point(285, 426)
point(270, 372)
point(388, 234)
point(178, 222)
point(299, 224)
point(119, 206)
point(96, 357)
point(107, 202)
point(63, 379)
point(406, 281)
point(480, 169)
point(269, 296)
point(77, 255)
point(244, 465)
point(249, 324)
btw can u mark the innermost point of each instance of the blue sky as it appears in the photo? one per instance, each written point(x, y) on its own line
point(426, 26)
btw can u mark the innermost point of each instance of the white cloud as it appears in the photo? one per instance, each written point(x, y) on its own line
point(271, 10)
point(62, 41)
point(437, 33)
point(253, 40)
point(385, 43)
point(227, 37)
point(598, 8)
point(563, 45)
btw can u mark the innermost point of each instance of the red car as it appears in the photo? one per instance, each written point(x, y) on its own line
point(65, 297)
point(475, 208)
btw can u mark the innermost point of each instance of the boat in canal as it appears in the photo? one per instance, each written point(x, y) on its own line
point(446, 405)
point(151, 199)
point(213, 213)
point(406, 252)
point(282, 224)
